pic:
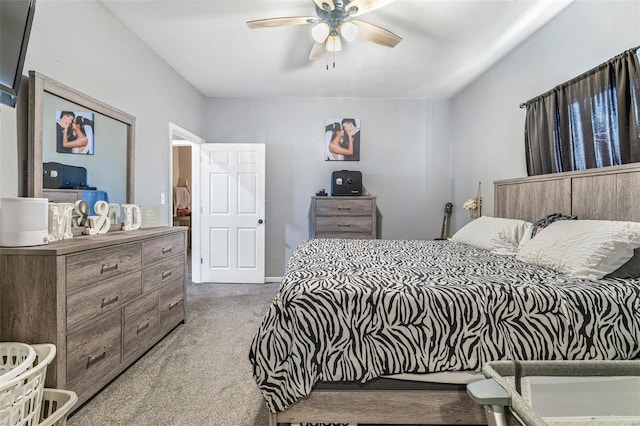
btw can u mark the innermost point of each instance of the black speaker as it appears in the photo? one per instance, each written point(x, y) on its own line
point(346, 182)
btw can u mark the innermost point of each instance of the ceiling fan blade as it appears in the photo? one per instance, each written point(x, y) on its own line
point(376, 34)
point(283, 22)
point(317, 51)
point(325, 4)
point(358, 7)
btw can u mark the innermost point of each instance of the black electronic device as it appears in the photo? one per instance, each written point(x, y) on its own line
point(16, 17)
point(63, 176)
point(346, 182)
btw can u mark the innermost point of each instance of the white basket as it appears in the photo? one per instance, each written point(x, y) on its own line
point(21, 397)
point(56, 404)
point(15, 358)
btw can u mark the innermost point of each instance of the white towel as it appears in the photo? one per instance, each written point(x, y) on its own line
point(181, 197)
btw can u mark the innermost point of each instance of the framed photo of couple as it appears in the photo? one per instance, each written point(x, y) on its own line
point(74, 132)
point(342, 139)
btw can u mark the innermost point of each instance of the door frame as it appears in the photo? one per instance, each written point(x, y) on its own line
point(179, 136)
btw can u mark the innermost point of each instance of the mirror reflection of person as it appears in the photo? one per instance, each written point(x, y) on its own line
point(82, 128)
point(74, 137)
point(352, 150)
point(62, 127)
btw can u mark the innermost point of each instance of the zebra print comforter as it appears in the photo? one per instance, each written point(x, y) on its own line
point(354, 310)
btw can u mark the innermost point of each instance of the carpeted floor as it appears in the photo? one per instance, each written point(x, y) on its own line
point(199, 374)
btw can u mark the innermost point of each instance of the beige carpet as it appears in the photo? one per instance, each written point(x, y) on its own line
point(199, 374)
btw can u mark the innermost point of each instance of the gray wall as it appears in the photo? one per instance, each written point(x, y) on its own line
point(416, 154)
point(100, 57)
point(488, 129)
point(404, 158)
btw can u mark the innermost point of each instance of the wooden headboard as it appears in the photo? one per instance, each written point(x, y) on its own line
point(609, 193)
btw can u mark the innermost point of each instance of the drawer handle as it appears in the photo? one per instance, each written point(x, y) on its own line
point(108, 267)
point(106, 301)
point(166, 250)
point(97, 357)
point(174, 304)
point(142, 327)
point(344, 208)
point(344, 226)
point(166, 274)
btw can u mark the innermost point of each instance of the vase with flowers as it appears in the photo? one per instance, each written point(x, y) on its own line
point(474, 204)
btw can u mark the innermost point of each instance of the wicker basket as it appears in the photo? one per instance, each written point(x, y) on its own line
point(56, 404)
point(21, 397)
point(15, 358)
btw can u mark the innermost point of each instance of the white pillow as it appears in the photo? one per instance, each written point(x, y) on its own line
point(500, 236)
point(587, 249)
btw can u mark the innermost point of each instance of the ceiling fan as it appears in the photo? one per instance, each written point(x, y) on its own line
point(334, 23)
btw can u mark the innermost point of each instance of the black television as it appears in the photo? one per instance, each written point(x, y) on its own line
point(16, 17)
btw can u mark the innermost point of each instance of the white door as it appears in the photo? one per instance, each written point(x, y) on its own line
point(232, 178)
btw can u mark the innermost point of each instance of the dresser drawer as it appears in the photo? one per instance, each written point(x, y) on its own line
point(172, 304)
point(336, 206)
point(345, 235)
point(162, 273)
point(98, 298)
point(62, 195)
point(141, 322)
point(156, 249)
point(96, 265)
point(328, 224)
point(93, 352)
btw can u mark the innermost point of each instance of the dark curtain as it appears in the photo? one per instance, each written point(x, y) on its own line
point(590, 121)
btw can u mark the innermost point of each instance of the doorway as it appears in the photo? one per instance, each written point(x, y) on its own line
point(184, 150)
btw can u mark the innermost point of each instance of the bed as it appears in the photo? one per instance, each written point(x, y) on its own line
point(352, 311)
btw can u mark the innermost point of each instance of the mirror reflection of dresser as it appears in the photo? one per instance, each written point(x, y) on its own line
point(73, 195)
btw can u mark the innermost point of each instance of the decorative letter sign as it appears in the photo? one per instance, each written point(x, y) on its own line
point(82, 210)
point(132, 216)
point(100, 224)
point(114, 213)
point(60, 215)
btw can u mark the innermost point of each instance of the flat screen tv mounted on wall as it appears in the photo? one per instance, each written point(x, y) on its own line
point(16, 17)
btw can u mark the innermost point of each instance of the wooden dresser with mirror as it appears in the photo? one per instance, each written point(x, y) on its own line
point(103, 300)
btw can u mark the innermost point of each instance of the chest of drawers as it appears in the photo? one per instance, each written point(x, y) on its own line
point(343, 217)
point(103, 301)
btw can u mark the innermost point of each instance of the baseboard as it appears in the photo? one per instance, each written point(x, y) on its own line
point(272, 279)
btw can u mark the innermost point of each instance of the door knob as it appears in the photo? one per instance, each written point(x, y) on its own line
point(260, 221)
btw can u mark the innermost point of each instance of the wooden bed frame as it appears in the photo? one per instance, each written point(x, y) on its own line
point(605, 194)
point(609, 193)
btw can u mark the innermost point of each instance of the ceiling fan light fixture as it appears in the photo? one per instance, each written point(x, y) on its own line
point(349, 30)
point(320, 32)
point(333, 43)
point(327, 6)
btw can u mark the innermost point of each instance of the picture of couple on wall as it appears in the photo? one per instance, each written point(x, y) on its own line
point(342, 139)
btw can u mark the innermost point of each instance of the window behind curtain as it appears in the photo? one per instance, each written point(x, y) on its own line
point(590, 121)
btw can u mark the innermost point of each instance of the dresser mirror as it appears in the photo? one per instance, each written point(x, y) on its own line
point(108, 159)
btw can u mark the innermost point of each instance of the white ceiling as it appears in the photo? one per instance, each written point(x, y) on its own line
point(446, 45)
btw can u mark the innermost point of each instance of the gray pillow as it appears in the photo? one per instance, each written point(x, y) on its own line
point(631, 269)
